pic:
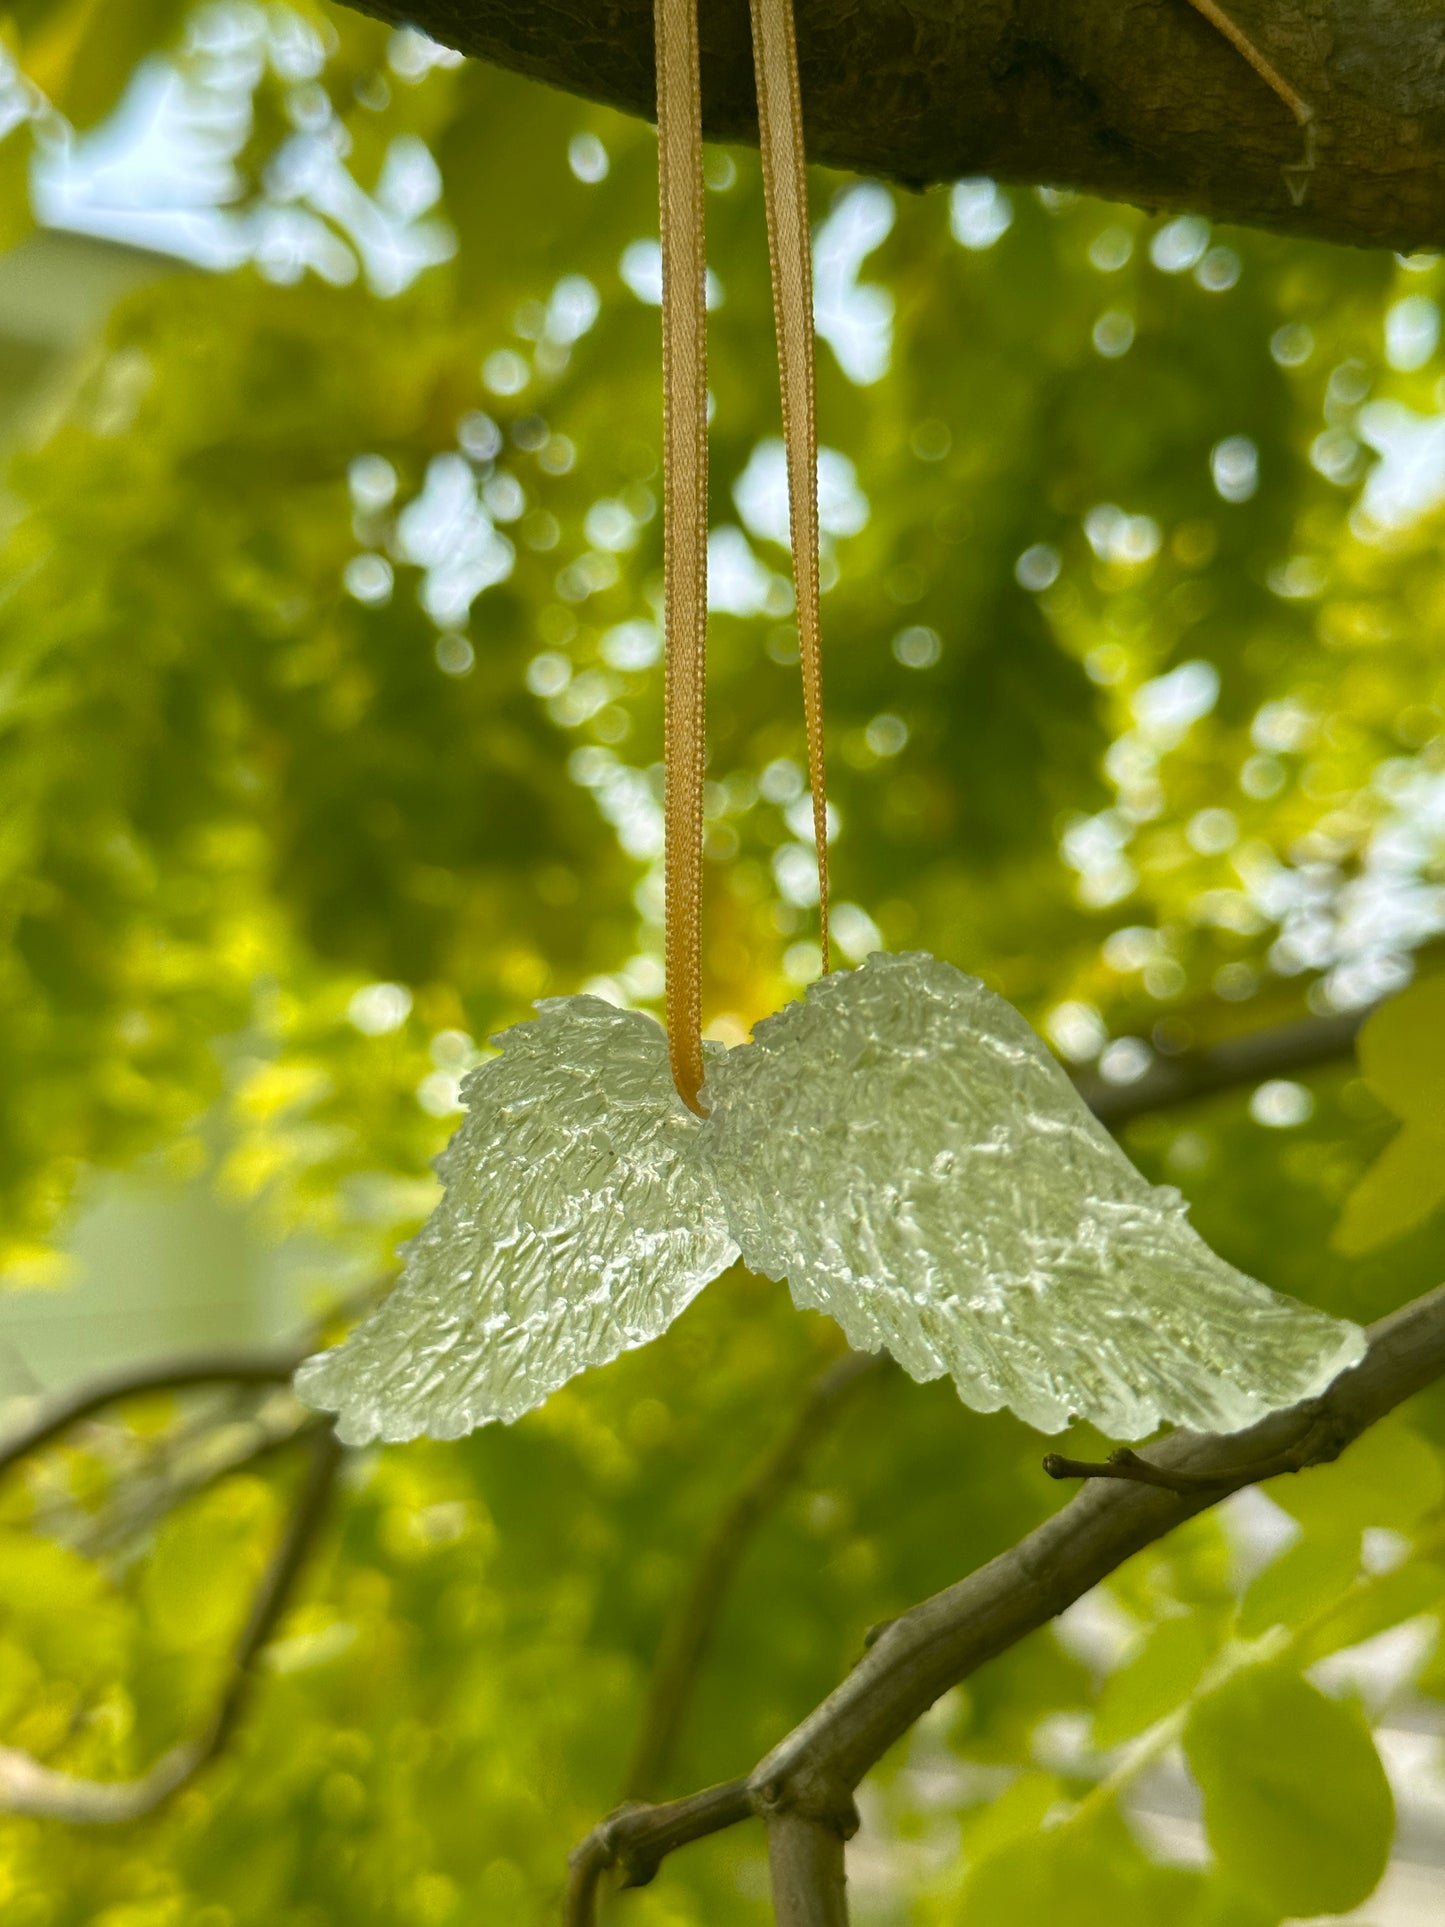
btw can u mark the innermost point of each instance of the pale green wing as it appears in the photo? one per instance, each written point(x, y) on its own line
point(904, 1151)
point(577, 1222)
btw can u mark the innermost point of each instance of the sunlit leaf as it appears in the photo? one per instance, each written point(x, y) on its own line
point(1401, 1190)
point(1296, 1804)
point(1386, 1599)
point(1390, 1476)
point(1402, 1053)
point(1089, 1876)
point(1300, 1583)
point(1159, 1678)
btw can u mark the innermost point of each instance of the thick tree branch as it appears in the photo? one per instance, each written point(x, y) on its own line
point(805, 1858)
point(690, 1634)
point(935, 1645)
point(1167, 103)
point(28, 1787)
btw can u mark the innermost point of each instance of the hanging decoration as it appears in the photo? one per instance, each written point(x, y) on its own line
point(899, 1145)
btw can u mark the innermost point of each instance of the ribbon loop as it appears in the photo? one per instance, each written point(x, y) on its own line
point(684, 389)
point(785, 190)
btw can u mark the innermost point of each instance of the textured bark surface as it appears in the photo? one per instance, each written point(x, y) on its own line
point(1139, 100)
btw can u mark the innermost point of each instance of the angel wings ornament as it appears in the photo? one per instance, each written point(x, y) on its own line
point(899, 1146)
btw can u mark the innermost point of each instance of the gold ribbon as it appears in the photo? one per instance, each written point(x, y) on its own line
point(684, 391)
point(684, 520)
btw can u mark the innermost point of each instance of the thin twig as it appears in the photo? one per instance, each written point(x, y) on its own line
point(1127, 1465)
point(185, 1373)
point(686, 1642)
point(920, 1655)
point(58, 1415)
point(28, 1787)
point(635, 1840)
point(179, 1481)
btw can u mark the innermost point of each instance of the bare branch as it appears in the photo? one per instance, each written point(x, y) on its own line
point(226, 1369)
point(635, 1840)
point(806, 1861)
point(137, 1381)
point(1127, 1465)
point(1282, 1051)
point(920, 1655)
point(152, 1491)
point(691, 1632)
point(28, 1787)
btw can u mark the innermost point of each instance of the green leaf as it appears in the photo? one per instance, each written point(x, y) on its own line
point(1293, 1587)
point(1219, 1904)
point(1016, 1814)
point(1381, 1602)
point(1074, 1876)
point(61, 1605)
point(197, 1584)
point(1159, 1678)
point(1390, 1477)
point(1296, 1804)
point(16, 217)
point(1402, 1053)
point(1402, 1188)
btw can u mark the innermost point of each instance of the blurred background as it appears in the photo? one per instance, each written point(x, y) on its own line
point(330, 720)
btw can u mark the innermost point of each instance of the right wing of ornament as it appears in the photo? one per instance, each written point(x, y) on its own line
point(577, 1222)
point(904, 1150)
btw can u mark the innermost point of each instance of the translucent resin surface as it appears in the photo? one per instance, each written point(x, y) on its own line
point(899, 1146)
point(577, 1222)
point(904, 1150)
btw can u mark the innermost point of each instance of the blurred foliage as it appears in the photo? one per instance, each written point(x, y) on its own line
point(329, 740)
point(1402, 1054)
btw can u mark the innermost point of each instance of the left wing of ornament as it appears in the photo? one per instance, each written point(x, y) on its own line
point(578, 1221)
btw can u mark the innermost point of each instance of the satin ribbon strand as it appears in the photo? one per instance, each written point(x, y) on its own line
point(785, 192)
point(684, 409)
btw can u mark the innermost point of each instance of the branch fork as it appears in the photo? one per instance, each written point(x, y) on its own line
point(804, 1788)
